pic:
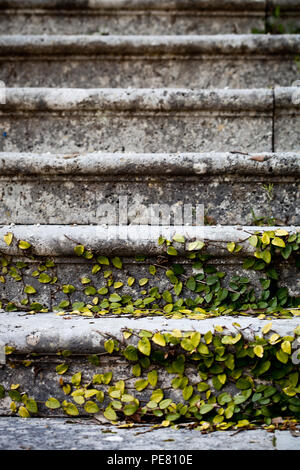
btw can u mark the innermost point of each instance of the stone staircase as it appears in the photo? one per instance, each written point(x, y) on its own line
point(112, 108)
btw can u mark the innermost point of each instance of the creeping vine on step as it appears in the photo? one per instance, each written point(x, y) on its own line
point(211, 381)
point(183, 281)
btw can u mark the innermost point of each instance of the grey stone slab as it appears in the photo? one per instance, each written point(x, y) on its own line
point(82, 201)
point(287, 106)
point(76, 434)
point(48, 333)
point(142, 17)
point(138, 120)
point(166, 165)
point(59, 240)
point(246, 61)
point(61, 189)
point(134, 5)
point(71, 271)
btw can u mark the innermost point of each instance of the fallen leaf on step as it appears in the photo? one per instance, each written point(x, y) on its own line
point(260, 158)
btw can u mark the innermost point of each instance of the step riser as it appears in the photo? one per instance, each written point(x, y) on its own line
point(82, 200)
point(51, 189)
point(133, 23)
point(146, 120)
point(144, 17)
point(70, 271)
point(246, 61)
point(141, 133)
point(201, 73)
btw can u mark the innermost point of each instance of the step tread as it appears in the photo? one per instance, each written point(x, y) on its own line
point(127, 240)
point(150, 164)
point(83, 434)
point(245, 45)
point(48, 332)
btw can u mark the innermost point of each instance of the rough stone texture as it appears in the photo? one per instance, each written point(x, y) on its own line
point(246, 61)
point(140, 120)
point(287, 106)
point(140, 100)
point(61, 189)
point(135, 17)
point(59, 240)
point(71, 271)
point(131, 23)
point(76, 434)
point(150, 120)
point(47, 334)
point(153, 133)
point(80, 335)
point(165, 165)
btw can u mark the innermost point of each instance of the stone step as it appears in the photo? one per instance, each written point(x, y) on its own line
point(36, 340)
point(83, 434)
point(140, 16)
point(246, 61)
point(150, 120)
point(49, 265)
point(77, 189)
point(149, 16)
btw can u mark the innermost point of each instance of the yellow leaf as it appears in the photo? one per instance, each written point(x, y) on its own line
point(218, 328)
point(259, 351)
point(14, 386)
point(8, 238)
point(278, 242)
point(159, 339)
point(265, 239)
point(267, 328)
point(127, 334)
point(23, 245)
point(274, 338)
point(286, 347)
point(177, 333)
point(281, 232)
point(23, 412)
point(165, 423)
point(231, 247)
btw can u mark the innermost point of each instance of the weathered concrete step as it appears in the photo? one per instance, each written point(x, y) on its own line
point(36, 340)
point(82, 434)
point(65, 189)
point(48, 333)
point(149, 17)
point(51, 253)
point(246, 61)
point(135, 17)
point(150, 120)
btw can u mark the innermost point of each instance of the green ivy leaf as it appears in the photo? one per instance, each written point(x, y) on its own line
point(141, 384)
point(44, 278)
point(152, 378)
point(52, 403)
point(91, 407)
point(109, 346)
point(29, 290)
point(172, 251)
point(79, 250)
point(62, 368)
point(110, 414)
point(23, 245)
point(144, 346)
point(117, 262)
